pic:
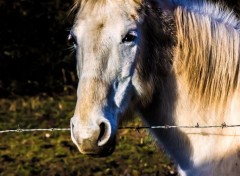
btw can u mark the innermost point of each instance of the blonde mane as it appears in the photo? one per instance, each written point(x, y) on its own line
point(207, 55)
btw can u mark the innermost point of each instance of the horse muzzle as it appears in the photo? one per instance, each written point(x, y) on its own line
point(95, 139)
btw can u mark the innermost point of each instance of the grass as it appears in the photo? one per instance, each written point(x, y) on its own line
point(53, 153)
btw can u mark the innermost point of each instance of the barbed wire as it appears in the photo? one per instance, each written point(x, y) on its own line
point(197, 126)
point(20, 130)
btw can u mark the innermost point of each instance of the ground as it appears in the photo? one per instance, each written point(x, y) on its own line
point(53, 153)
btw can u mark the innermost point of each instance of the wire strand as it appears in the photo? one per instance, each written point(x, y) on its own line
point(197, 126)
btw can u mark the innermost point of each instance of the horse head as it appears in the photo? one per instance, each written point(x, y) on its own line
point(106, 37)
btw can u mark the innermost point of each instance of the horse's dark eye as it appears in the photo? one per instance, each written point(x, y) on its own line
point(130, 37)
point(72, 40)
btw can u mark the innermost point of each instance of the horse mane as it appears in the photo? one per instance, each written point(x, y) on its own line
point(207, 52)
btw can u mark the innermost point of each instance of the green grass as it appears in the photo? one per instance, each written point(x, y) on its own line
point(53, 153)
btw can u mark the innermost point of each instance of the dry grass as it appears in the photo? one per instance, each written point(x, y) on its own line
point(42, 153)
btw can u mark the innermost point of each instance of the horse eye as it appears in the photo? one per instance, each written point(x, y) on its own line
point(72, 40)
point(130, 37)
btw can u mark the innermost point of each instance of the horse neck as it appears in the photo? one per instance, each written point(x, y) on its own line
point(197, 85)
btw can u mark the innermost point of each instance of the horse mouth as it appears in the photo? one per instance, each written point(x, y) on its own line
point(105, 152)
point(99, 151)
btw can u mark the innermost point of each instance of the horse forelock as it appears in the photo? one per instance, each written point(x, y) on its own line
point(207, 55)
point(99, 3)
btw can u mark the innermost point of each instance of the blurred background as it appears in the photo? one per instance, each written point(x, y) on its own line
point(38, 90)
point(34, 54)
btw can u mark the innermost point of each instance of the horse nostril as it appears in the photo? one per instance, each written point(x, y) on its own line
point(102, 131)
point(73, 135)
point(104, 134)
point(72, 127)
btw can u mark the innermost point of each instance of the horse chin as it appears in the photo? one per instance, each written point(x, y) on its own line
point(104, 151)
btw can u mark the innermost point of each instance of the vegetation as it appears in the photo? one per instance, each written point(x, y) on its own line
point(53, 153)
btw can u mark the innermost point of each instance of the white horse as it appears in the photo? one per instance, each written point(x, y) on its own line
point(175, 63)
